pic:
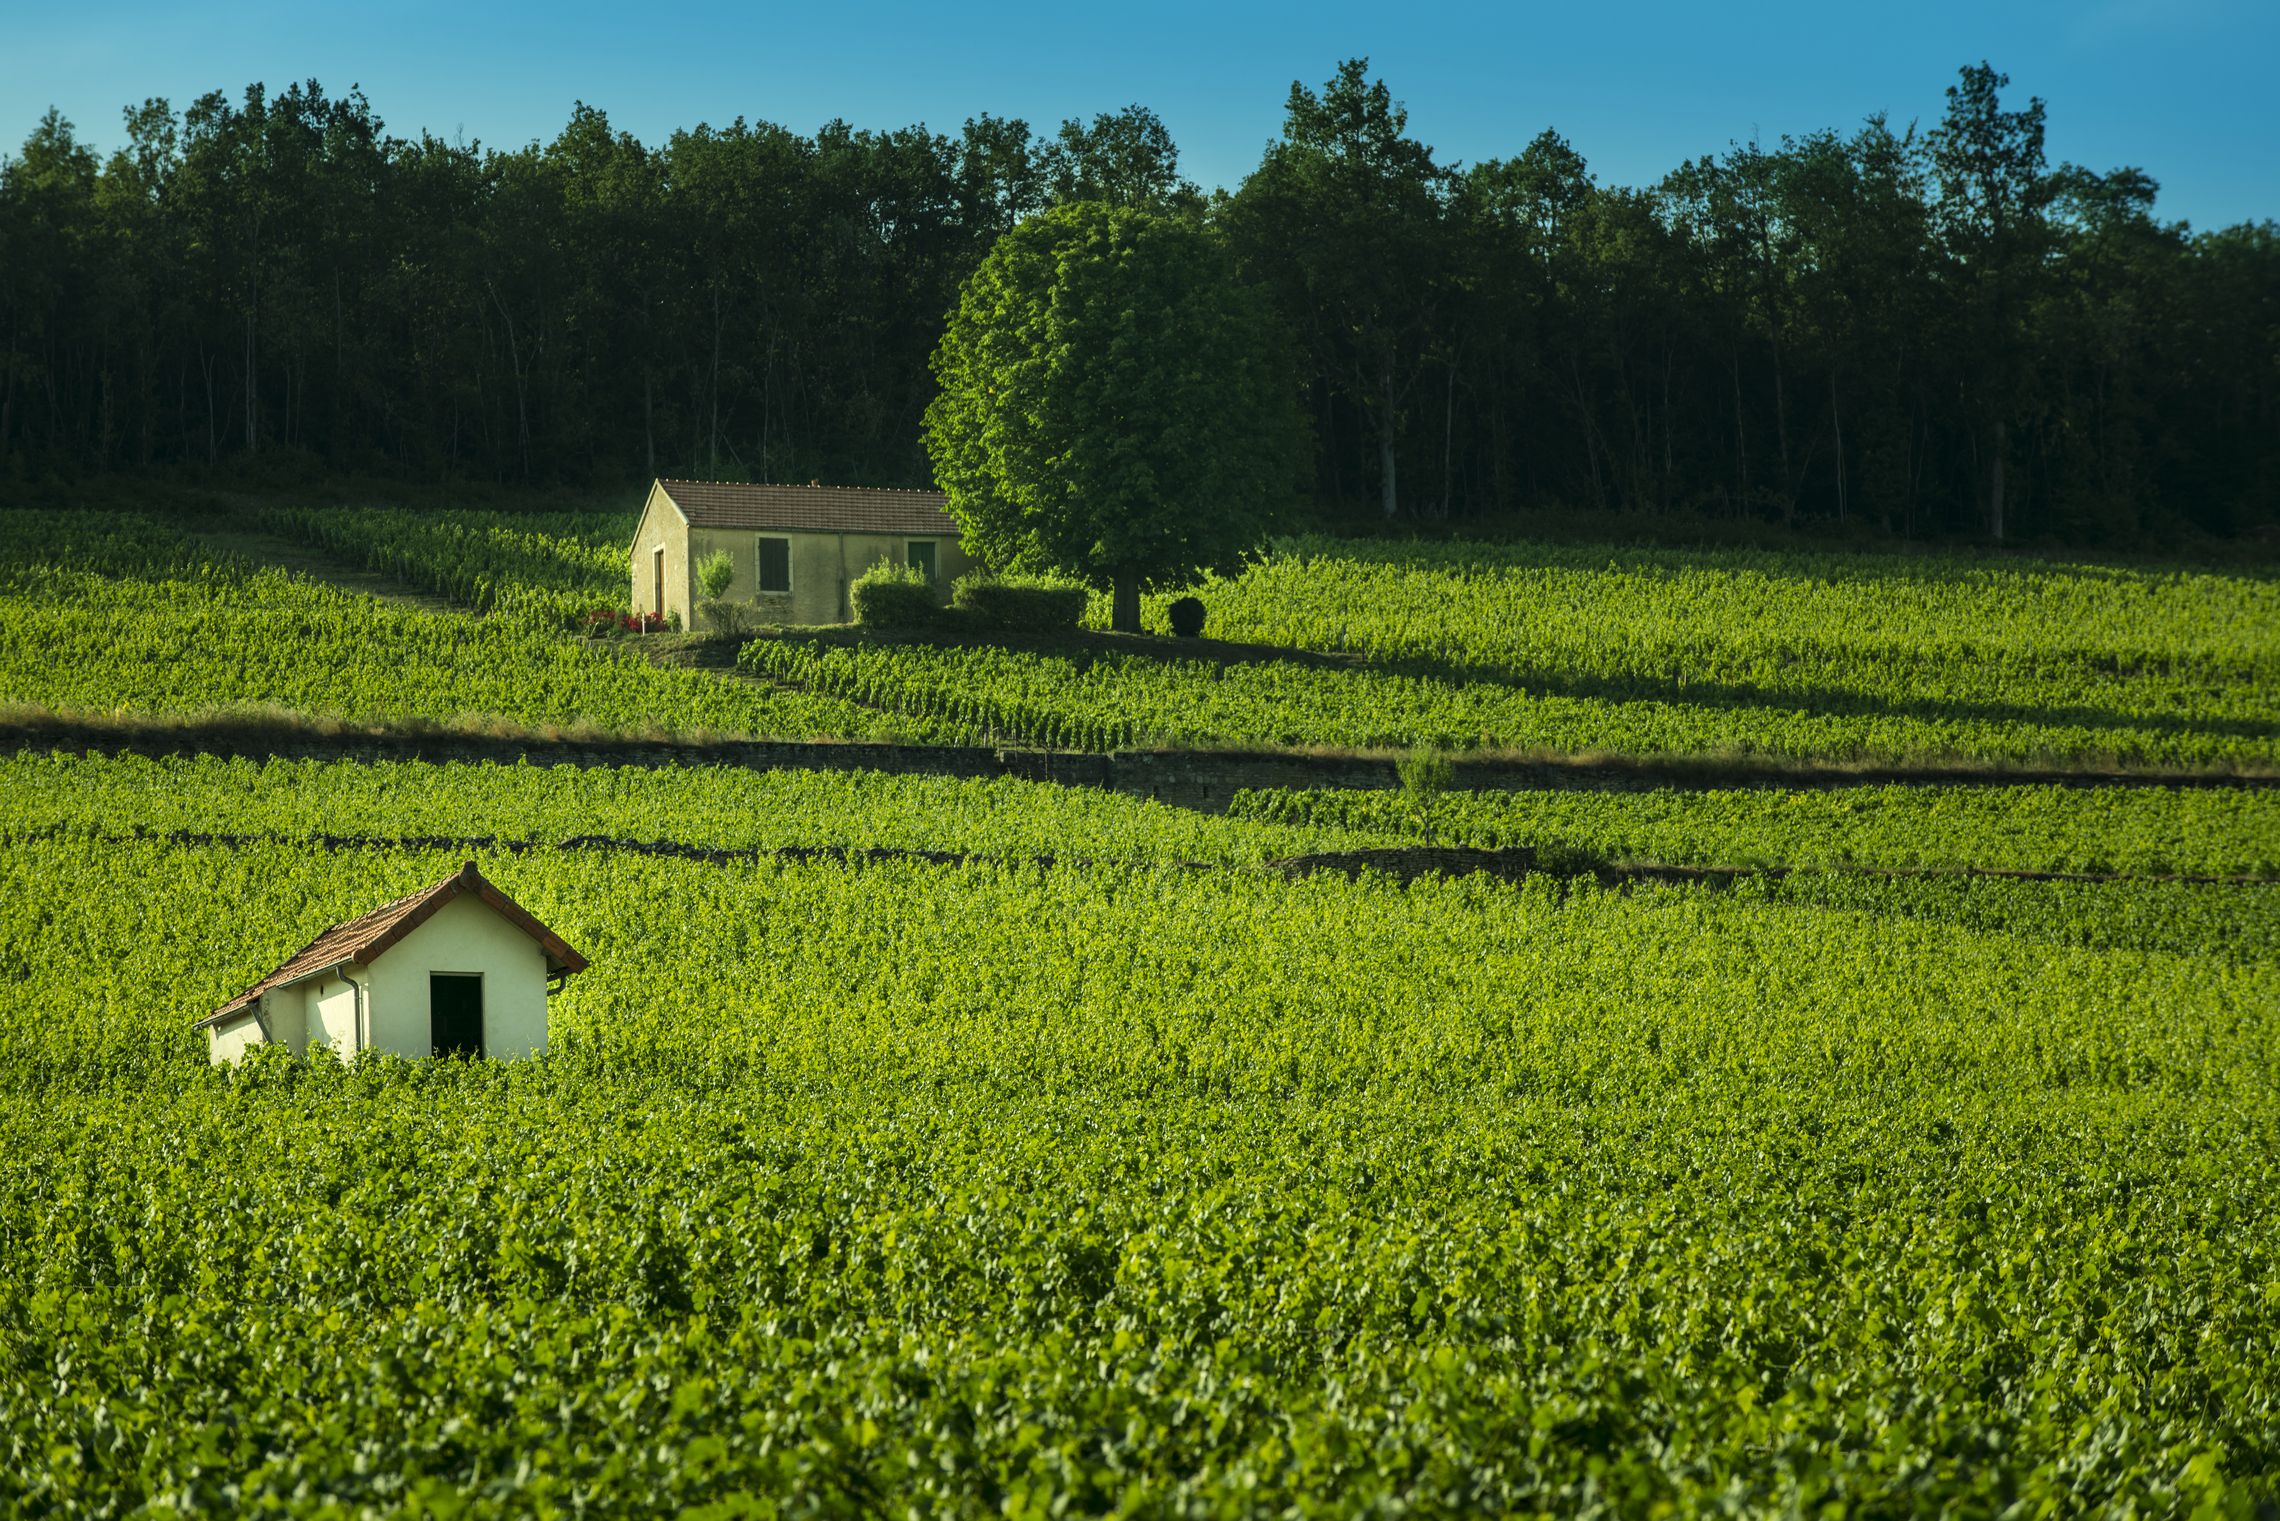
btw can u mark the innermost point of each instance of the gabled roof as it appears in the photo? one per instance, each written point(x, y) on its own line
point(362, 940)
point(810, 509)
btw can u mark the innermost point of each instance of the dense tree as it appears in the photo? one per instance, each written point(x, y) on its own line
point(1124, 158)
point(1113, 404)
point(1994, 189)
point(1922, 333)
point(1345, 219)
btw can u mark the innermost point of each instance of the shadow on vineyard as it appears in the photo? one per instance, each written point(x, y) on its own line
point(1084, 650)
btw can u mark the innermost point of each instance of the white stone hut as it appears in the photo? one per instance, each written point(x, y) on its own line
point(796, 549)
point(458, 968)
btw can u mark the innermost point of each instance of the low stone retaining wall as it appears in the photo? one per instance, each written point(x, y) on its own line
point(1200, 779)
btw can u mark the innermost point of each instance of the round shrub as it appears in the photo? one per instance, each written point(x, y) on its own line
point(894, 596)
point(1186, 616)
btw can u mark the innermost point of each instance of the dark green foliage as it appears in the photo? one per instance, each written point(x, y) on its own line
point(1872, 330)
point(1185, 615)
point(894, 596)
point(1115, 404)
point(992, 602)
point(1425, 774)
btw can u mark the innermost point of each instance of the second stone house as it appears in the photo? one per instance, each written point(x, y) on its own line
point(796, 549)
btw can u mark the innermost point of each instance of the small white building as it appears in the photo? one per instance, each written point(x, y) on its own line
point(796, 549)
point(458, 968)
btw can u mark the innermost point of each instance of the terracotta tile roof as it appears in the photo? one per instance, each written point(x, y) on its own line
point(811, 509)
point(360, 941)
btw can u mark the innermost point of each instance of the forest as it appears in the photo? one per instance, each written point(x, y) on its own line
point(1920, 330)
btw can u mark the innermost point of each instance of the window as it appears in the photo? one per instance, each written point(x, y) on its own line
point(921, 557)
point(775, 565)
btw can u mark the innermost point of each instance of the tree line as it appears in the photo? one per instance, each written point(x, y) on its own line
point(1916, 331)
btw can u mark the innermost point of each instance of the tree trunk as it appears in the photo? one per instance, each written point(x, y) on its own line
point(1387, 499)
point(1449, 446)
point(1741, 432)
point(1995, 486)
point(713, 443)
point(1124, 604)
point(514, 363)
point(1837, 421)
point(252, 395)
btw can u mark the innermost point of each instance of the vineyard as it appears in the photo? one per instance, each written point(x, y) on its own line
point(1109, 700)
point(1124, 1183)
point(122, 616)
point(1528, 647)
point(2146, 832)
point(550, 569)
point(927, 1146)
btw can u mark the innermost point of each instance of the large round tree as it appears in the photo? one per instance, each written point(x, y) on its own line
point(1115, 404)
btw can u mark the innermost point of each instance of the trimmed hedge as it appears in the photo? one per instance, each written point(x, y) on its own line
point(1018, 607)
point(1186, 617)
point(891, 596)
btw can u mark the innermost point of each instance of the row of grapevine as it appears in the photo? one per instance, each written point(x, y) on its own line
point(549, 568)
point(1114, 701)
point(711, 807)
point(2140, 831)
point(1925, 635)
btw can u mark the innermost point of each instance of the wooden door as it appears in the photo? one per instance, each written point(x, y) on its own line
point(657, 581)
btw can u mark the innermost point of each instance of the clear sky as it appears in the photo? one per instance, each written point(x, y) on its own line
point(2181, 88)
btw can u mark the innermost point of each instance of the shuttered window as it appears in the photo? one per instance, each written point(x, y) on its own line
point(775, 565)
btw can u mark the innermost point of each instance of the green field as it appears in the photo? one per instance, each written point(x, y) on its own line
point(1537, 648)
point(925, 1146)
point(130, 617)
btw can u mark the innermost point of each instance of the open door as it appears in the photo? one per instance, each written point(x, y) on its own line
point(455, 1014)
point(657, 581)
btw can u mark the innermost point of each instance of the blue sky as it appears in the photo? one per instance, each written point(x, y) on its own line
point(2181, 88)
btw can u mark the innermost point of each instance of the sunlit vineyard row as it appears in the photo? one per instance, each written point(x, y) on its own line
point(2141, 831)
point(707, 807)
point(1925, 635)
point(1110, 700)
point(115, 615)
point(1021, 1189)
point(551, 568)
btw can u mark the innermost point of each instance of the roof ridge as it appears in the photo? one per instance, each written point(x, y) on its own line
point(680, 480)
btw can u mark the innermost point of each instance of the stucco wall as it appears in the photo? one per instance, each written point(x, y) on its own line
point(285, 1012)
point(743, 546)
point(823, 566)
point(661, 528)
point(332, 1014)
point(230, 1040)
point(462, 936)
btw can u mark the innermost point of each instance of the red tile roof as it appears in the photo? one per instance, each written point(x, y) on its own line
point(360, 941)
point(811, 509)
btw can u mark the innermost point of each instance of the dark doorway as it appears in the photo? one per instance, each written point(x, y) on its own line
point(455, 1014)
